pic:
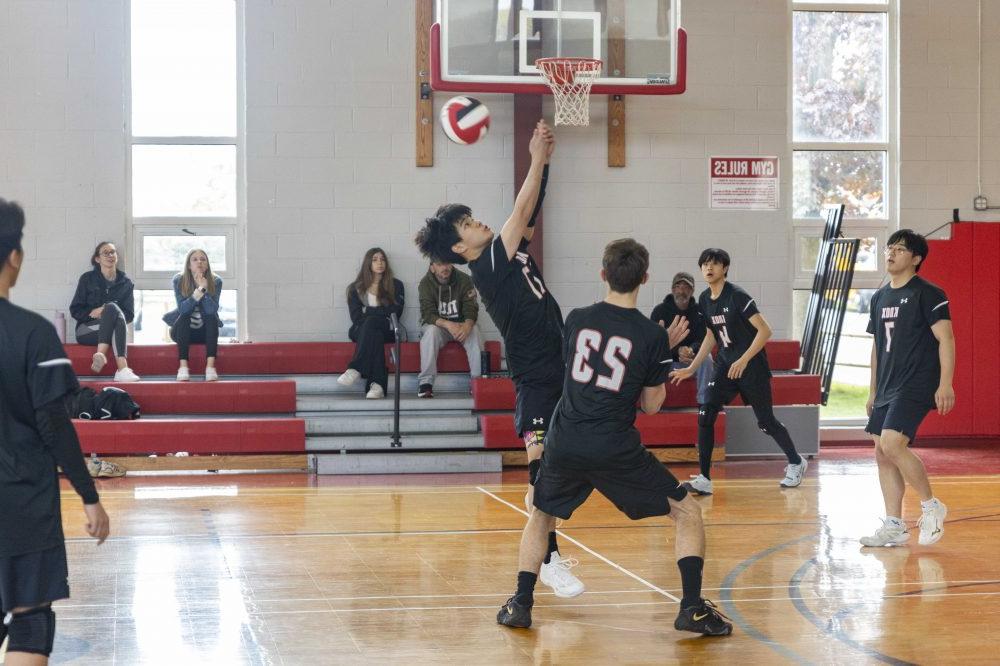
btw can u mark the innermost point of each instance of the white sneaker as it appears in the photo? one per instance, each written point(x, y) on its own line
point(794, 474)
point(349, 377)
point(211, 375)
point(699, 485)
point(890, 534)
point(183, 374)
point(556, 574)
point(98, 362)
point(375, 392)
point(932, 524)
point(126, 375)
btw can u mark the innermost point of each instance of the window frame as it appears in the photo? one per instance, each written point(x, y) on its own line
point(234, 228)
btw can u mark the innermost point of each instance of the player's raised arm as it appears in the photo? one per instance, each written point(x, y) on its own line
point(516, 226)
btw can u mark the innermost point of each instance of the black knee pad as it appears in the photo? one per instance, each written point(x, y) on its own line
point(707, 414)
point(32, 631)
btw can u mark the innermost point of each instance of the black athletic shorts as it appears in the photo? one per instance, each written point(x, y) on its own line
point(538, 391)
point(33, 579)
point(637, 483)
point(900, 415)
point(754, 386)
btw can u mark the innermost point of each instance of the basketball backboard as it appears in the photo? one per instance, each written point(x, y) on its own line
point(492, 45)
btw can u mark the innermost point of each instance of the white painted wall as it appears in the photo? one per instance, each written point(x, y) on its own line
point(330, 150)
point(938, 101)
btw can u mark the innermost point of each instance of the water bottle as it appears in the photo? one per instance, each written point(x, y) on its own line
point(59, 321)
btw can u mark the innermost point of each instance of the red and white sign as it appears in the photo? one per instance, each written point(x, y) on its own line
point(744, 183)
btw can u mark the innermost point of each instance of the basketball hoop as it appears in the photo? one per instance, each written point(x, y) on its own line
point(570, 80)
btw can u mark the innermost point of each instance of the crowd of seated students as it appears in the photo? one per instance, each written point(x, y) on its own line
point(103, 307)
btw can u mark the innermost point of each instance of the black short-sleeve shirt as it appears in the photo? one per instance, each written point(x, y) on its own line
point(729, 318)
point(612, 353)
point(907, 364)
point(34, 371)
point(516, 298)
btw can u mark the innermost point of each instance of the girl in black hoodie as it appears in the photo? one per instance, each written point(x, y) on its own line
point(371, 298)
point(103, 306)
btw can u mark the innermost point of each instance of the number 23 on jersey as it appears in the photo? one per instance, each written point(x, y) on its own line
point(616, 354)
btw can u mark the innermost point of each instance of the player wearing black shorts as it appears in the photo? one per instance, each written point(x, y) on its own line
point(741, 368)
point(36, 434)
point(615, 357)
point(529, 319)
point(913, 361)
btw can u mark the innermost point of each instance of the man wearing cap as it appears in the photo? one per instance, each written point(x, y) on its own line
point(679, 302)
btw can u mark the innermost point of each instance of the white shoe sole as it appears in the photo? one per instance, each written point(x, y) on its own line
point(560, 592)
point(691, 489)
point(891, 544)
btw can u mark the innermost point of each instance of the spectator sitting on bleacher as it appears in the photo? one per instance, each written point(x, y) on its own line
point(103, 306)
point(371, 298)
point(449, 310)
point(196, 319)
point(680, 302)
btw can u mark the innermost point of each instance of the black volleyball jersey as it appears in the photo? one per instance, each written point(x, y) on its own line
point(729, 318)
point(515, 296)
point(611, 354)
point(34, 372)
point(906, 351)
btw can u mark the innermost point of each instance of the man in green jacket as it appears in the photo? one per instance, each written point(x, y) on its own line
point(449, 309)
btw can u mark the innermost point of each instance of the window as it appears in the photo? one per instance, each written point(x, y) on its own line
point(185, 163)
point(843, 138)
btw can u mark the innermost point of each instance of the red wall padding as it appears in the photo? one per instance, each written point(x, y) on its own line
point(967, 267)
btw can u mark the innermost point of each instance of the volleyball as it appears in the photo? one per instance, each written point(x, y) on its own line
point(465, 119)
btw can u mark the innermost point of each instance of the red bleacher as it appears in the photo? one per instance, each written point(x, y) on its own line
point(663, 429)
point(273, 358)
point(225, 397)
point(233, 436)
point(497, 394)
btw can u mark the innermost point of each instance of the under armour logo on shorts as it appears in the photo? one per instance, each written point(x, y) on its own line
point(903, 300)
point(537, 421)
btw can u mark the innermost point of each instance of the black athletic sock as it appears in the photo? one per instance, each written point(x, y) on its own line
point(525, 594)
point(706, 444)
point(690, 568)
point(553, 547)
point(784, 440)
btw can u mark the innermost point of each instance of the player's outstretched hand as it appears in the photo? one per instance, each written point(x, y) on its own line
point(677, 376)
point(549, 136)
point(944, 398)
point(538, 146)
point(677, 331)
point(98, 523)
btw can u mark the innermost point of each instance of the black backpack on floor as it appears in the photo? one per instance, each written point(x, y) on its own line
point(111, 403)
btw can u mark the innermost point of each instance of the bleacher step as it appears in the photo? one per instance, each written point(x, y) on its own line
point(358, 403)
point(341, 423)
point(381, 442)
point(400, 462)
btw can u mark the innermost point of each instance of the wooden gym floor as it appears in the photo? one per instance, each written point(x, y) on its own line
point(295, 569)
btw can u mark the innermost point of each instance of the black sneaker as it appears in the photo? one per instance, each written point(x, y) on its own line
point(514, 614)
point(703, 619)
point(425, 391)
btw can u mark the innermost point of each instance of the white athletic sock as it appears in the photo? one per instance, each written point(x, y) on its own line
point(895, 522)
point(929, 504)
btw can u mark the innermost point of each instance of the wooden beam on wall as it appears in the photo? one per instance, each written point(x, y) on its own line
point(425, 96)
point(615, 67)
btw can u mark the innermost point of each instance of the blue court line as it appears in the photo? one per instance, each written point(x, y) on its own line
point(726, 597)
point(833, 627)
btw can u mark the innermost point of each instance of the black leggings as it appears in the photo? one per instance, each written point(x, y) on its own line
point(369, 355)
point(182, 333)
point(110, 329)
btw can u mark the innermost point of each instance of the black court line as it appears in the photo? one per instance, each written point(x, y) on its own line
point(833, 626)
point(912, 593)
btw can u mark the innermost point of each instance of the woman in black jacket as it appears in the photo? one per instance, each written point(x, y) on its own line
point(371, 298)
point(103, 306)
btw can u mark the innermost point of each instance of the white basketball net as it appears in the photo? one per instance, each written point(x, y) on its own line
point(570, 80)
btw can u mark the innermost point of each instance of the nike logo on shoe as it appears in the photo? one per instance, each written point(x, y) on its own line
point(699, 618)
